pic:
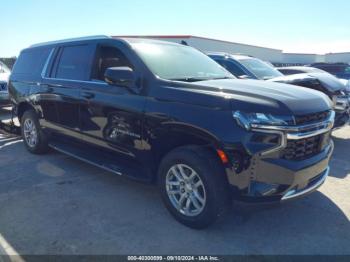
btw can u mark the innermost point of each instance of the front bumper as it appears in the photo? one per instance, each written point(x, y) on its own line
point(342, 118)
point(270, 177)
point(312, 186)
point(342, 110)
point(270, 180)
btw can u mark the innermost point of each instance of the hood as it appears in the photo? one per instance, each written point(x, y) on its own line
point(265, 97)
point(329, 84)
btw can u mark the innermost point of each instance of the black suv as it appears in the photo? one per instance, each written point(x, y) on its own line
point(166, 113)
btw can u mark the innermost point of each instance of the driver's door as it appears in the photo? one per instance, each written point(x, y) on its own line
point(111, 116)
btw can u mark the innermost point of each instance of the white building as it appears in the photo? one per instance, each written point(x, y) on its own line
point(268, 54)
point(338, 57)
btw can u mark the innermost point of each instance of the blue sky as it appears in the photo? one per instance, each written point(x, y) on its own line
point(313, 26)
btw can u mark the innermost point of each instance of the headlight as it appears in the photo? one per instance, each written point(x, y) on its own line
point(253, 120)
point(341, 102)
point(347, 88)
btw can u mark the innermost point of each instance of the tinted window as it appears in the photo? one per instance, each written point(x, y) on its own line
point(261, 69)
point(331, 69)
point(290, 71)
point(232, 68)
point(334, 69)
point(31, 62)
point(3, 68)
point(74, 63)
point(107, 57)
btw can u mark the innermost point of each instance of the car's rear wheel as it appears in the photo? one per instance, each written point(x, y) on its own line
point(34, 138)
point(193, 186)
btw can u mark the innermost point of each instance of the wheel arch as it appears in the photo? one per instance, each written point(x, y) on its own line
point(174, 136)
point(23, 107)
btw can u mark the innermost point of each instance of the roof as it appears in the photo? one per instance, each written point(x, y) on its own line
point(100, 37)
point(144, 40)
point(85, 38)
point(235, 56)
point(191, 36)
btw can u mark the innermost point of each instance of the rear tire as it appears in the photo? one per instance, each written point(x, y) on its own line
point(33, 137)
point(193, 186)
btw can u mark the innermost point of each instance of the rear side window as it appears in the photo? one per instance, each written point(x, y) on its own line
point(31, 62)
point(74, 63)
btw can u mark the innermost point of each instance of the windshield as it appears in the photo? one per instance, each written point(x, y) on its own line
point(176, 62)
point(3, 68)
point(260, 69)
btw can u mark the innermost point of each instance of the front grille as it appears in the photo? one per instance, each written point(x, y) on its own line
point(3, 86)
point(305, 148)
point(311, 118)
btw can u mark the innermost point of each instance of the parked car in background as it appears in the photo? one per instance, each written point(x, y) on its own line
point(4, 78)
point(162, 112)
point(247, 67)
point(340, 70)
point(292, 70)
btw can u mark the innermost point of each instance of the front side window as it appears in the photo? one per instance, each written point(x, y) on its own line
point(232, 68)
point(3, 68)
point(176, 62)
point(260, 69)
point(74, 63)
point(106, 57)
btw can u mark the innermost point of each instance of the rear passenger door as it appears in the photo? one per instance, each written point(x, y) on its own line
point(70, 71)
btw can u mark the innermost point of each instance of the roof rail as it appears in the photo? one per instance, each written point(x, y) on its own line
point(243, 54)
point(228, 54)
point(96, 37)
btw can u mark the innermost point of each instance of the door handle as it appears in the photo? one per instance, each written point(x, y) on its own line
point(87, 95)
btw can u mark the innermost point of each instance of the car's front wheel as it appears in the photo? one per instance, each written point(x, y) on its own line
point(34, 138)
point(193, 186)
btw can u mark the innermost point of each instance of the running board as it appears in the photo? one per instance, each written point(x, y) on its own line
point(114, 164)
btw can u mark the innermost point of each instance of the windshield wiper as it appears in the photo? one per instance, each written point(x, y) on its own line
point(223, 77)
point(189, 79)
point(197, 79)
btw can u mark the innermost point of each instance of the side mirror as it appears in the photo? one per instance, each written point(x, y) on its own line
point(121, 76)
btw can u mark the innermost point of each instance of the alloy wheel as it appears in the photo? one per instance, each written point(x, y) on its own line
point(30, 133)
point(185, 190)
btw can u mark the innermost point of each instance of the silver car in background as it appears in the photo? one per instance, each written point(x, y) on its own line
point(4, 78)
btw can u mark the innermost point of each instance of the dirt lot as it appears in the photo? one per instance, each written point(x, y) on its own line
point(54, 204)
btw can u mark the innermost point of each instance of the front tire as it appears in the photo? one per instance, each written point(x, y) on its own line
point(193, 186)
point(34, 138)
